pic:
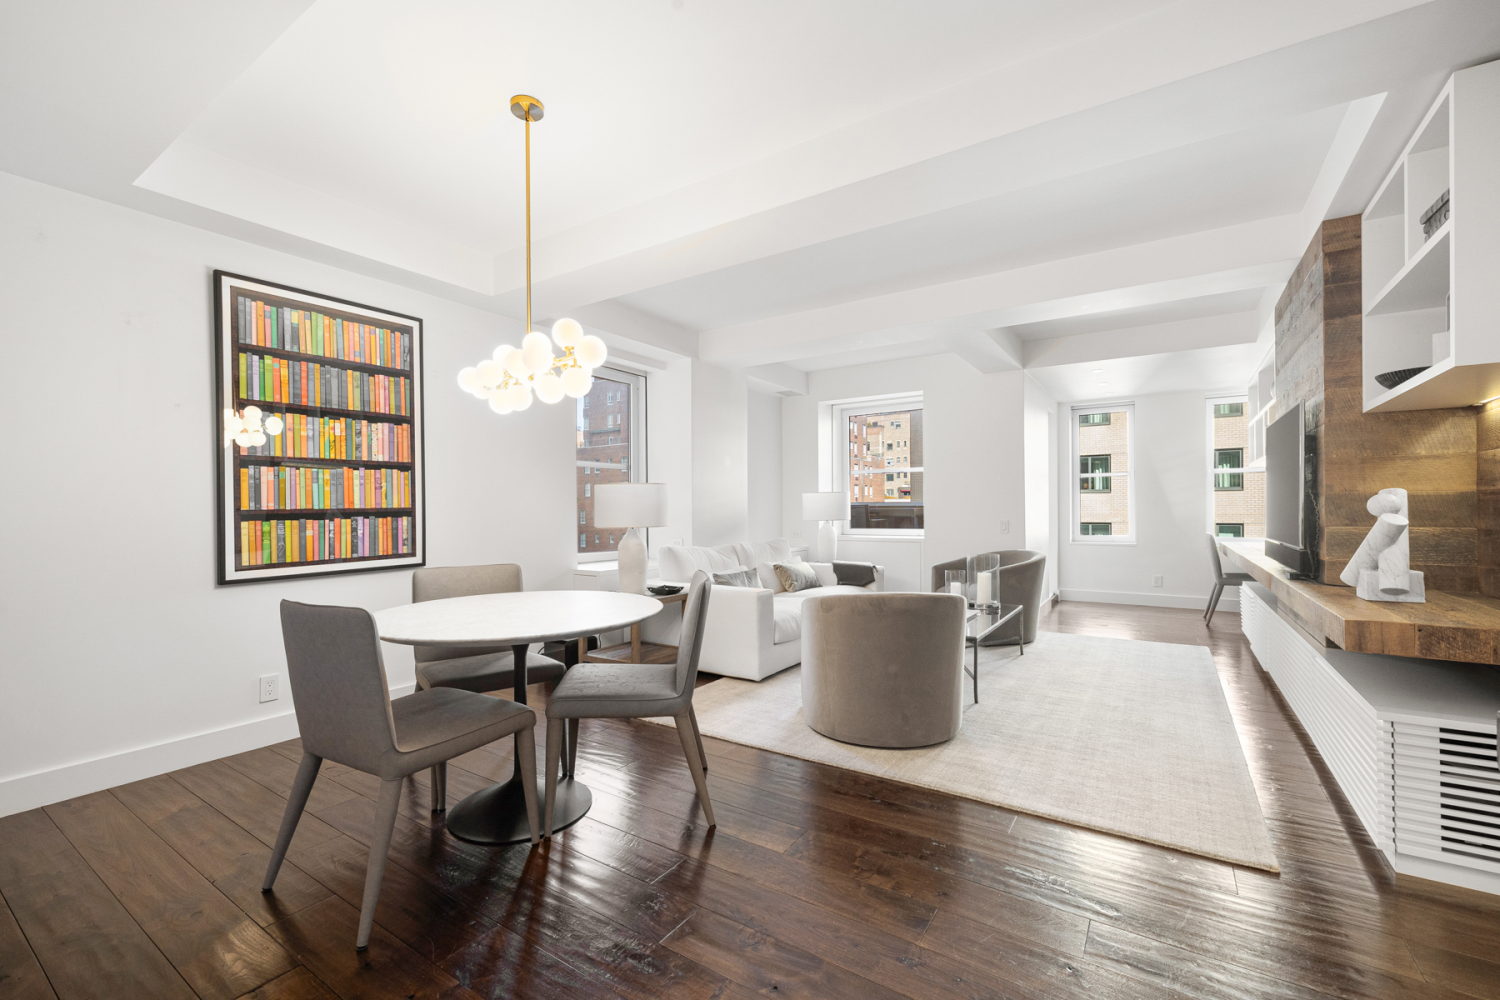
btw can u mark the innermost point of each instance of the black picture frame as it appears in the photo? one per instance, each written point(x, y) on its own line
point(342, 488)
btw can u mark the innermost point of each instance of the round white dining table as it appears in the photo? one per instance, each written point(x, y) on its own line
point(497, 814)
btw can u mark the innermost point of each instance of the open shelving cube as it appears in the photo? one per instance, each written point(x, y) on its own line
point(1430, 299)
point(340, 488)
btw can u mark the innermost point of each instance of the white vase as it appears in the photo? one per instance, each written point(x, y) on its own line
point(632, 557)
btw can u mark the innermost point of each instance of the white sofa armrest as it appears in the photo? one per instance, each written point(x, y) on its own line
point(827, 577)
point(737, 636)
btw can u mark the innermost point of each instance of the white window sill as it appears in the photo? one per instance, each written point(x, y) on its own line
point(1103, 540)
point(914, 536)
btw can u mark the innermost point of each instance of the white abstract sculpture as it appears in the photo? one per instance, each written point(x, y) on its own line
point(1381, 568)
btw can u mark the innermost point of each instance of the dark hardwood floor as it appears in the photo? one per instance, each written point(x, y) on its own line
point(817, 883)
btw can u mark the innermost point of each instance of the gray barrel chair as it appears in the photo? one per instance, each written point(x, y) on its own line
point(1022, 574)
point(884, 670)
point(488, 668)
point(346, 715)
point(637, 691)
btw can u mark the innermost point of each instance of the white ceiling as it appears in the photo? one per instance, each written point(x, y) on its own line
point(785, 186)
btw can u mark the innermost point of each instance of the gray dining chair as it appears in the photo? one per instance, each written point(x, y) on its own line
point(1221, 578)
point(488, 668)
point(637, 691)
point(346, 715)
point(1022, 575)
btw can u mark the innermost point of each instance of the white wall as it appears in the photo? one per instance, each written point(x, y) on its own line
point(973, 453)
point(1040, 435)
point(121, 657)
point(720, 455)
point(669, 449)
point(1171, 510)
point(764, 465)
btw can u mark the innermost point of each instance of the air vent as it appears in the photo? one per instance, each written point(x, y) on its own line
point(1447, 794)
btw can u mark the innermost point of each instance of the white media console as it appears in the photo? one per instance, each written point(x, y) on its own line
point(1411, 742)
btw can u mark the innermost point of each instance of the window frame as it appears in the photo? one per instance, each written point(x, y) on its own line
point(1075, 530)
point(1227, 470)
point(636, 460)
point(1229, 524)
point(843, 449)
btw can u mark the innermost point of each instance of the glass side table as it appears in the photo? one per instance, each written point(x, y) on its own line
point(984, 622)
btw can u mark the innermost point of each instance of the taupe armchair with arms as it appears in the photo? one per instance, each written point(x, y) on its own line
point(637, 691)
point(1022, 574)
point(466, 668)
point(346, 715)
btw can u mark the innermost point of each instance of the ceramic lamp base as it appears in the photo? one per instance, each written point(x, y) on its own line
point(632, 557)
point(828, 541)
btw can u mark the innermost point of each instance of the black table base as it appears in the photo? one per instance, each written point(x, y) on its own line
point(497, 814)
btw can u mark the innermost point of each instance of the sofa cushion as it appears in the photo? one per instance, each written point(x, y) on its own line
point(786, 621)
point(795, 576)
point(680, 562)
point(737, 577)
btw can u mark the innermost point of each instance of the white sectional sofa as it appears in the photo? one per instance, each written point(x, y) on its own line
point(752, 632)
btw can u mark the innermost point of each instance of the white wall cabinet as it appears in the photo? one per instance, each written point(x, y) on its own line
point(1431, 300)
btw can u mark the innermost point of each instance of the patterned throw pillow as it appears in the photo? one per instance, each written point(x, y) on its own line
point(796, 576)
point(737, 577)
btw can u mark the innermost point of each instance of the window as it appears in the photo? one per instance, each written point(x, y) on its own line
point(1103, 500)
point(1236, 495)
point(1089, 466)
point(604, 450)
point(878, 505)
point(1229, 458)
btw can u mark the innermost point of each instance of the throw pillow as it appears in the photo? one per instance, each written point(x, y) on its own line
point(737, 577)
point(854, 574)
point(796, 576)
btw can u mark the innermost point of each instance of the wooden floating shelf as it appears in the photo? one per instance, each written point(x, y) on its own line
point(319, 359)
point(321, 463)
point(321, 513)
point(314, 409)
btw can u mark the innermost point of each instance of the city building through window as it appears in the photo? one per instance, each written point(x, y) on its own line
point(883, 470)
point(1237, 495)
point(1103, 501)
point(611, 432)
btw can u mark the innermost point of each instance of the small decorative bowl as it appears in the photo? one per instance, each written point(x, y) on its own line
point(1392, 379)
point(665, 590)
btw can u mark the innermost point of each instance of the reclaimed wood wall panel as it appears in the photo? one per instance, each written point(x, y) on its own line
point(1487, 499)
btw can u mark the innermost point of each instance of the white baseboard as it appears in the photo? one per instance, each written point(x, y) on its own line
point(1437, 871)
point(29, 791)
point(1229, 602)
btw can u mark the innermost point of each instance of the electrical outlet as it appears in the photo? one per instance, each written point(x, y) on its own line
point(1156, 581)
point(270, 688)
point(1004, 527)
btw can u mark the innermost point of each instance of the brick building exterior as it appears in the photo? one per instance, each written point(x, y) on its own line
point(885, 461)
point(603, 457)
point(1245, 506)
point(1104, 449)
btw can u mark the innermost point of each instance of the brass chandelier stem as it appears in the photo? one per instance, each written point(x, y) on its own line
point(528, 223)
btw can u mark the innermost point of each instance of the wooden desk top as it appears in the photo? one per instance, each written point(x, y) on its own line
point(1463, 627)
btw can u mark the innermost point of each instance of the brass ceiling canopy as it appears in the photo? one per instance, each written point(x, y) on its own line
point(526, 108)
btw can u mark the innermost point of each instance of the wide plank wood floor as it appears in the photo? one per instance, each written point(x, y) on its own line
point(817, 883)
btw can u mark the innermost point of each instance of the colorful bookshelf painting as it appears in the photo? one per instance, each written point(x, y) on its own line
point(338, 487)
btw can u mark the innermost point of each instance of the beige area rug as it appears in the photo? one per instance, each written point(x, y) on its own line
point(1128, 737)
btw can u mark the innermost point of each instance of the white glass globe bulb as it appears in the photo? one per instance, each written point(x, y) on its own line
point(251, 415)
point(577, 382)
point(591, 351)
point(499, 403)
point(501, 352)
point(490, 373)
point(274, 425)
point(537, 348)
point(242, 439)
point(468, 379)
point(567, 332)
point(257, 438)
point(520, 396)
point(549, 388)
point(515, 363)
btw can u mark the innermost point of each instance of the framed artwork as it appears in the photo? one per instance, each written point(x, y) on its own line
point(319, 433)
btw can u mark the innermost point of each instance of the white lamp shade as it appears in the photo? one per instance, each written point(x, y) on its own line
point(630, 505)
point(825, 506)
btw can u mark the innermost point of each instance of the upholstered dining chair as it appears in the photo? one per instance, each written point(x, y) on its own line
point(637, 691)
point(1221, 579)
point(1022, 574)
point(346, 715)
point(488, 668)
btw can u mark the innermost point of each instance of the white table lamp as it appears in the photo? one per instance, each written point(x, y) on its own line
point(631, 505)
point(826, 508)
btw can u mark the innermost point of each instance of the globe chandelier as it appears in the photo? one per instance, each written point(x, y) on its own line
point(510, 376)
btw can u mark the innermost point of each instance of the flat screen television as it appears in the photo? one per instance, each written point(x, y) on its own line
point(1286, 465)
